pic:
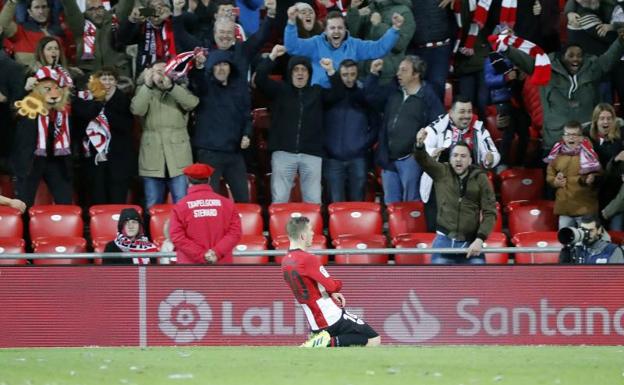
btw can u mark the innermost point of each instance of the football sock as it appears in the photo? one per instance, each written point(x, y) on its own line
point(348, 340)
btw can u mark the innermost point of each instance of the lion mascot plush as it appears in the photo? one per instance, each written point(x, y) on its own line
point(42, 137)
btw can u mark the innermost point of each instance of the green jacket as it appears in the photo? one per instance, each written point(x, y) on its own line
point(361, 27)
point(560, 103)
point(466, 217)
point(105, 53)
point(165, 140)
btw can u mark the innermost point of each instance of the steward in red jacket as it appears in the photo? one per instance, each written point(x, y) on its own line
point(205, 226)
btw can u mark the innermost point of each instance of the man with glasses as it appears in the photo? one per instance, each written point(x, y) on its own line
point(574, 171)
point(94, 32)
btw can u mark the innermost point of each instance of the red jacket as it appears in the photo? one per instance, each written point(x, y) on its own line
point(201, 221)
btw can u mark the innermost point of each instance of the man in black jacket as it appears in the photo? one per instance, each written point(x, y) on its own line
point(223, 121)
point(296, 134)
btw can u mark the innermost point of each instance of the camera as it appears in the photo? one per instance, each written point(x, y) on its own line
point(147, 12)
point(571, 235)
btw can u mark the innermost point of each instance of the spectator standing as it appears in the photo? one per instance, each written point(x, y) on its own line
point(593, 249)
point(307, 23)
point(11, 90)
point(433, 39)
point(223, 121)
point(351, 128)
point(466, 210)
point(573, 89)
point(95, 34)
point(204, 226)
point(24, 36)
point(165, 145)
point(110, 159)
point(296, 133)
point(249, 15)
point(573, 170)
point(373, 26)
point(336, 44)
point(406, 107)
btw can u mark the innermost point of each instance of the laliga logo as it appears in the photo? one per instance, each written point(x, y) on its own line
point(413, 323)
point(184, 316)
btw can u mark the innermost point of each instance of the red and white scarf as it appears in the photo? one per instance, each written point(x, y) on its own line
point(138, 244)
point(479, 11)
point(88, 41)
point(159, 43)
point(467, 135)
point(239, 33)
point(181, 64)
point(58, 121)
point(589, 159)
point(98, 132)
point(542, 69)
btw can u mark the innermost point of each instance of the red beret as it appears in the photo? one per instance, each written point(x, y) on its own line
point(198, 171)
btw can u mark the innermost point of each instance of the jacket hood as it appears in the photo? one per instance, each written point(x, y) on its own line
point(126, 215)
point(296, 60)
point(221, 56)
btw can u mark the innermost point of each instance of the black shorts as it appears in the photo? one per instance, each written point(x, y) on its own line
point(351, 324)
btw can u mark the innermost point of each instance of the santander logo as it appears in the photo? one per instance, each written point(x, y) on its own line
point(412, 324)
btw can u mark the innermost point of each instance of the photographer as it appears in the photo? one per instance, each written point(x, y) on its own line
point(586, 245)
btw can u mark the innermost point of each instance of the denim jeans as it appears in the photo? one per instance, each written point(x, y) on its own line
point(437, 59)
point(345, 175)
point(442, 241)
point(404, 184)
point(155, 189)
point(284, 166)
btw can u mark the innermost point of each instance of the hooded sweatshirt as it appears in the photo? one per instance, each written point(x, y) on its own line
point(297, 113)
point(223, 114)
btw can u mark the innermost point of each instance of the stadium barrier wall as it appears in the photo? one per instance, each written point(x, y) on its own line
point(251, 305)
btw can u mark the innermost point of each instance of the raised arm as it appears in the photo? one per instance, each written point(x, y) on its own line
point(268, 86)
point(428, 164)
point(294, 45)
point(7, 16)
point(74, 18)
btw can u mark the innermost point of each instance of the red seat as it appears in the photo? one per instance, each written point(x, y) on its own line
point(55, 221)
point(11, 224)
point(249, 243)
point(104, 218)
point(496, 239)
point(252, 189)
point(418, 240)
point(6, 186)
point(490, 123)
point(261, 122)
point(530, 216)
point(539, 239)
point(12, 246)
point(60, 245)
point(521, 184)
point(159, 215)
point(43, 195)
point(448, 96)
point(319, 243)
point(354, 243)
point(354, 218)
point(617, 237)
point(406, 217)
point(280, 214)
point(251, 218)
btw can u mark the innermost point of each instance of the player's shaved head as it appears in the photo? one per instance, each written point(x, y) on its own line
point(296, 226)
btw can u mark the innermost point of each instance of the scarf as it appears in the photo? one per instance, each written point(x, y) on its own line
point(139, 244)
point(588, 157)
point(88, 38)
point(58, 122)
point(542, 69)
point(180, 65)
point(467, 135)
point(479, 11)
point(98, 132)
point(159, 43)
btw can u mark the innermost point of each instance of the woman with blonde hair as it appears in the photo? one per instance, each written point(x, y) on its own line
point(607, 138)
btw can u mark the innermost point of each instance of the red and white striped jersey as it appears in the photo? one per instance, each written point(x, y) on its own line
point(312, 286)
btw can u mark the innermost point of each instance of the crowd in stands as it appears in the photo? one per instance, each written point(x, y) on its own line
point(107, 101)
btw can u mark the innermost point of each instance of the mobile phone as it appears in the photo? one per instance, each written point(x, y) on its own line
point(147, 12)
point(236, 11)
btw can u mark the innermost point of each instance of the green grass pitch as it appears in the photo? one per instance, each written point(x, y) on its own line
point(456, 365)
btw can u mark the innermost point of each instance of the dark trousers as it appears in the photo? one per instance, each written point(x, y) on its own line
point(107, 184)
point(473, 87)
point(347, 175)
point(55, 171)
point(437, 59)
point(229, 165)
